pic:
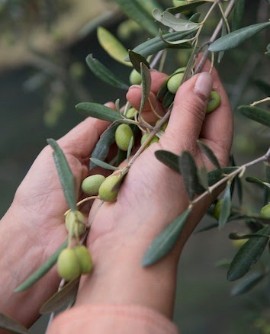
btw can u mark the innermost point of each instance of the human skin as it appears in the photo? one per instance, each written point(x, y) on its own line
point(121, 232)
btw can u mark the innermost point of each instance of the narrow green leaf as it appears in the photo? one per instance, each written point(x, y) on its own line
point(146, 85)
point(42, 270)
point(137, 12)
point(217, 174)
point(238, 14)
point(103, 164)
point(102, 147)
point(237, 182)
point(171, 21)
point(248, 255)
point(248, 283)
point(258, 181)
point(136, 60)
point(103, 73)
point(203, 177)
point(99, 111)
point(190, 175)
point(64, 297)
point(237, 37)
point(209, 153)
point(169, 159)
point(225, 207)
point(12, 325)
point(66, 177)
point(166, 240)
point(157, 43)
point(256, 114)
point(112, 46)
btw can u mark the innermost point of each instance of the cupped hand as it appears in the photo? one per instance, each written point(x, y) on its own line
point(40, 198)
point(152, 195)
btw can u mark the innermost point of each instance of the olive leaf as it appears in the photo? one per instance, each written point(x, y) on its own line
point(12, 325)
point(226, 204)
point(238, 14)
point(170, 159)
point(136, 11)
point(209, 153)
point(146, 85)
point(190, 175)
point(102, 147)
point(236, 37)
point(217, 174)
point(166, 240)
point(61, 298)
point(256, 114)
point(103, 164)
point(203, 177)
point(136, 60)
point(103, 73)
point(99, 111)
point(258, 181)
point(248, 254)
point(158, 43)
point(247, 283)
point(42, 270)
point(112, 46)
point(66, 177)
point(171, 21)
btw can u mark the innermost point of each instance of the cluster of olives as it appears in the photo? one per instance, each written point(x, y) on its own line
point(74, 261)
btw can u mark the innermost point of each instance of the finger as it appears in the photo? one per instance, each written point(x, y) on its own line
point(81, 140)
point(135, 92)
point(188, 114)
point(217, 129)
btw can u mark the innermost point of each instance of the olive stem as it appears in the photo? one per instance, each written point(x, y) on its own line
point(240, 170)
point(214, 36)
point(267, 99)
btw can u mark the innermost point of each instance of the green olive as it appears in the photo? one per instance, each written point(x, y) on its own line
point(68, 266)
point(155, 139)
point(75, 223)
point(265, 211)
point(108, 190)
point(174, 82)
point(214, 102)
point(123, 136)
point(131, 113)
point(84, 258)
point(135, 77)
point(91, 184)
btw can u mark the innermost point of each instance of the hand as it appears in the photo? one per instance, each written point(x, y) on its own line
point(150, 197)
point(33, 228)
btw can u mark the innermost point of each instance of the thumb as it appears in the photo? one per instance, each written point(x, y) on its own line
point(188, 114)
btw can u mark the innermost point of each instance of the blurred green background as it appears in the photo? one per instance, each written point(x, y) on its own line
point(43, 45)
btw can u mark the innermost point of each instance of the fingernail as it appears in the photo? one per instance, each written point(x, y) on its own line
point(135, 87)
point(203, 85)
